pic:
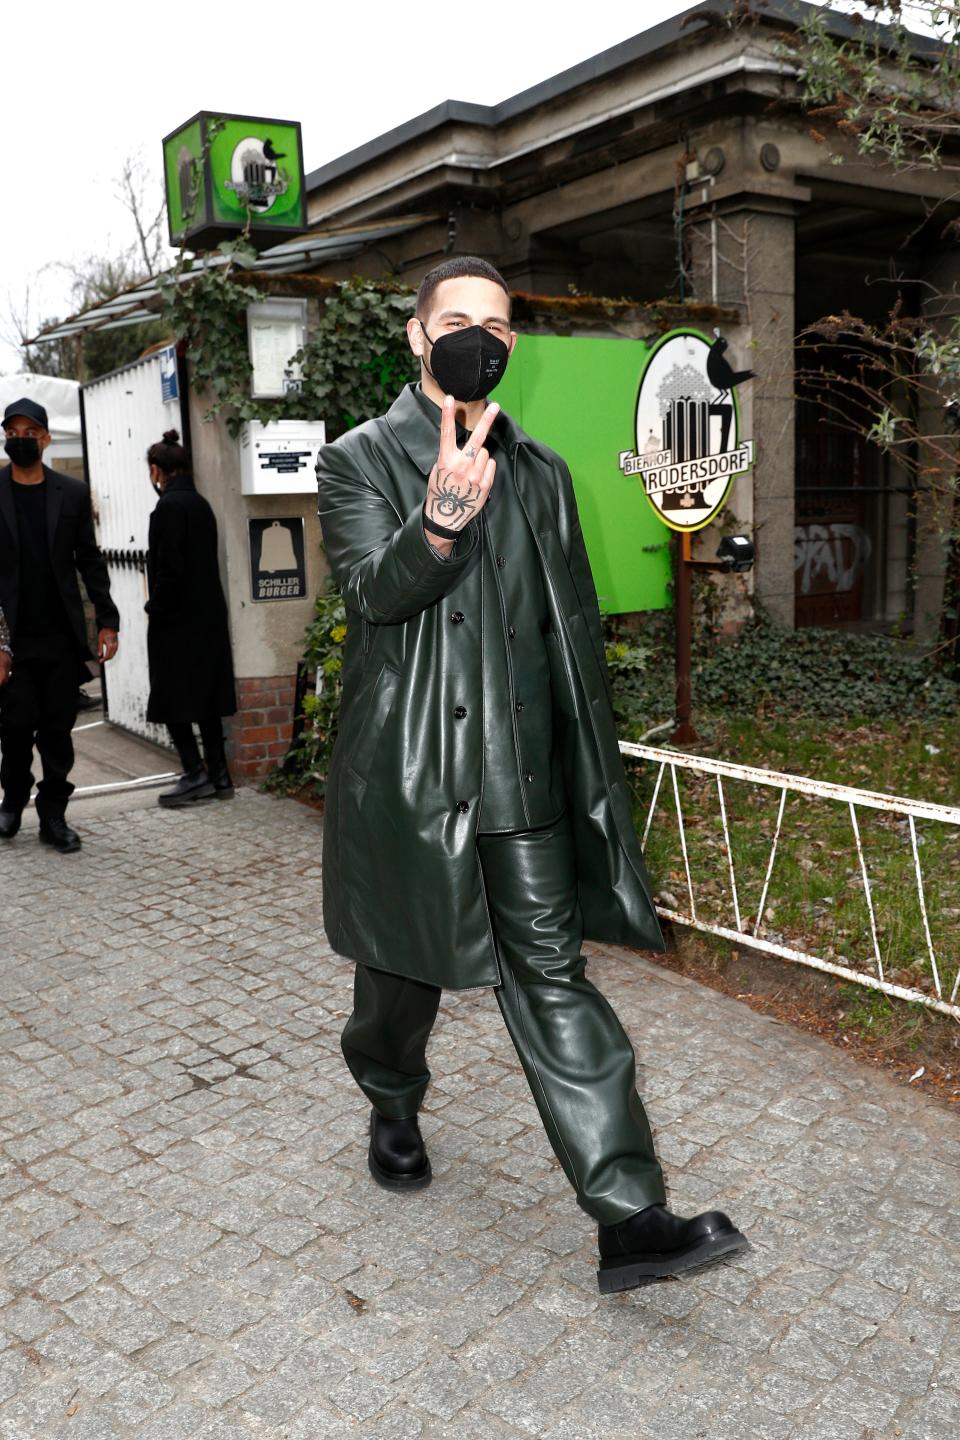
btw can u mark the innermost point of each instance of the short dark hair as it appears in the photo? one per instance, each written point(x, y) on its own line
point(454, 269)
point(169, 455)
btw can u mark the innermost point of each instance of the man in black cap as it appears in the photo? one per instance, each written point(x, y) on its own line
point(46, 536)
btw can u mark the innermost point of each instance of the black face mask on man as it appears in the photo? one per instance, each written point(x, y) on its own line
point(467, 364)
point(23, 450)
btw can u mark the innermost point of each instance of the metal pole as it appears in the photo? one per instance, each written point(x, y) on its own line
point(684, 733)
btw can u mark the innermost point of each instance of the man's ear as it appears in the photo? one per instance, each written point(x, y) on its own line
point(415, 337)
point(514, 337)
point(45, 439)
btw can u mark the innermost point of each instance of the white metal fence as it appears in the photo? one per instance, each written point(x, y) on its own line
point(124, 413)
point(941, 996)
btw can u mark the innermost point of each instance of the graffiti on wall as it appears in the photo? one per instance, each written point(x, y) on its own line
point(829, 557)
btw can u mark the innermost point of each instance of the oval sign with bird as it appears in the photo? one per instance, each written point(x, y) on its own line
point(256, 175)
point(689, 447)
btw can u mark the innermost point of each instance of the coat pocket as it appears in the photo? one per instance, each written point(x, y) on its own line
point(376, 705)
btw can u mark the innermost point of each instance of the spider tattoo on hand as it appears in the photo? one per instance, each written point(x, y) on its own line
point(456, 498)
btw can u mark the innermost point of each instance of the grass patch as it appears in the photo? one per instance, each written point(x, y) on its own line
point(871, 1015)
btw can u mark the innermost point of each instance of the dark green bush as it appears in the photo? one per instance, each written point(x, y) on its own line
point(829, 674)
point(769, 670)
point(306, 763)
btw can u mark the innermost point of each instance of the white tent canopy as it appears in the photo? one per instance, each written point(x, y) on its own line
point(60, 399)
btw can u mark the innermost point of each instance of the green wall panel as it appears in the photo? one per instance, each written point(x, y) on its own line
point(579, 397)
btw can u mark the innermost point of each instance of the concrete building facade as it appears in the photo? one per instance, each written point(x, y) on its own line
point(679, 164)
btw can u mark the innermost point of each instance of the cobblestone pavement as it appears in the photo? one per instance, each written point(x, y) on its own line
point(191, 1247)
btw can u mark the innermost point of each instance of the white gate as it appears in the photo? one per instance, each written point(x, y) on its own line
point(124, 413)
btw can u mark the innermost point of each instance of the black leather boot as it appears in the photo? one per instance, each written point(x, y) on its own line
point(55, 831)
point(397, 1156)
point(9, 822)
point(188, 790)
point(215, 758)
point(221, 782)
point(219, 774)
point(654, 1243)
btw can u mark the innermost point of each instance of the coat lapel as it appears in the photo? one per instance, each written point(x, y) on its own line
point(415, 429)
point(54, 502)
point(6, 503)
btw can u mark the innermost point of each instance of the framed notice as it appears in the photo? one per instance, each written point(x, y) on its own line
point(278, 568)
point(276, 330)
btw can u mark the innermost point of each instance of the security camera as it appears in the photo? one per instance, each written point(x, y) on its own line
point(735, 552)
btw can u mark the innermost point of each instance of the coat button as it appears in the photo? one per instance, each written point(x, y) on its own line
point(511, 632)
point(460, 713)
point(463, 806)
point(500, 562)
point(519, 706)
point(457, 618)
point(528, 778)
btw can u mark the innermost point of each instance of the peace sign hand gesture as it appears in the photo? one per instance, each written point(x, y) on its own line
point(460, 482)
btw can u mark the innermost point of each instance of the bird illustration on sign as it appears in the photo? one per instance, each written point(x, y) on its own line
point(256, 176)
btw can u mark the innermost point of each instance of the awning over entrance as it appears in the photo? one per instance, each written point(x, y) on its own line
point(141, 302)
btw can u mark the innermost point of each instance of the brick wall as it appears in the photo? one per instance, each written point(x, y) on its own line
point(261, 729)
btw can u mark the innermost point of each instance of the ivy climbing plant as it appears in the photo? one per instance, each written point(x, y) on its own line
point(355, 361)
point(205, 306)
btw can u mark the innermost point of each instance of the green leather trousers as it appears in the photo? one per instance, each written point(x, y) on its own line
point(577, 1059)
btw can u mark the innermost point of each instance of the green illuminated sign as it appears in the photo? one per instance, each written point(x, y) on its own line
point(579, 397)
point(222, 170)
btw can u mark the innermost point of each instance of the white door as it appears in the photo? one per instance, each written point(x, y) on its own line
point(124, 413)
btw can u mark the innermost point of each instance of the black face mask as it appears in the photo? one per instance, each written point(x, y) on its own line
point(467, 364)
point(23, 450)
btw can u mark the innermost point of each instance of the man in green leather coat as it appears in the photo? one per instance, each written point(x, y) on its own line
point(478, 821)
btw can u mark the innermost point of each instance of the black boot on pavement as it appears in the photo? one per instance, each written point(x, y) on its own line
point(9, 822)
point(397, 1157)
point(215, 757)
point(655, 1243)
point(55, 831)
point(216, 765)
point(221, 781)
point(189, 789)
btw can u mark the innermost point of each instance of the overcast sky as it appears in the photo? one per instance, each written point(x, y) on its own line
point(105, 81)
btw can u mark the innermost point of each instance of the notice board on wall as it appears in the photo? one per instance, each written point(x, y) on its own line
point(579, 396)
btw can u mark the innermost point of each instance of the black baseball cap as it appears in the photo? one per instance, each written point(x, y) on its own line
point(29, 409)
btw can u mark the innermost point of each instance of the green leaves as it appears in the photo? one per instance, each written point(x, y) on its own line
point(357, 358)
point(353, 365)
point(893, 95)
point(771, 672)
point(305, 767)
point(825, 673)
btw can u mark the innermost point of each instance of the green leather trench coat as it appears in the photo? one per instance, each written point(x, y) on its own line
point(402, 888)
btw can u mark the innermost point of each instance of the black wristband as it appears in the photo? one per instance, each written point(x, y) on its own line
point(440, 530)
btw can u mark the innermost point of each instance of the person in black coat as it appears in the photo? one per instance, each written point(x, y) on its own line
point(46, 537)
point(188, 641)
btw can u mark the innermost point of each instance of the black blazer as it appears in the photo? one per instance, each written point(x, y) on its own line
point(73, 547)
